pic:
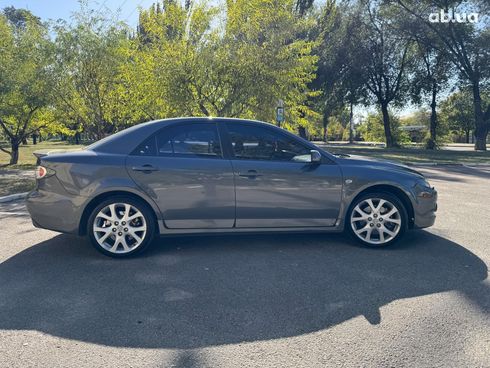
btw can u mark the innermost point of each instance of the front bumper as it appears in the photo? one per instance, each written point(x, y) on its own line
point(425, 207)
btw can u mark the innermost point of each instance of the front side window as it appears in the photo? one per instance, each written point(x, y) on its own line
point(198, 140)
point(251, 142)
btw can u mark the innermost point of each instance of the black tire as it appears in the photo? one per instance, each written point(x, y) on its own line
point(149, 221)
point(393, 200)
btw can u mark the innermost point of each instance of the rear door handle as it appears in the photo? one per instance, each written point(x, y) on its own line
point(145, 168)
point(251, 174)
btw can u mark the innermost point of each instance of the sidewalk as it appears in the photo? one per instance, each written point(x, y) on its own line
point(15, 181)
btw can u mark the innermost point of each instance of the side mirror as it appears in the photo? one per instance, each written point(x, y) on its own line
point(316, 156)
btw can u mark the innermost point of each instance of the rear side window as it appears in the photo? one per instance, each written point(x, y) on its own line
point(189, 140)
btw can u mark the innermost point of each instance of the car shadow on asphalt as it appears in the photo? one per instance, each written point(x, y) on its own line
point(193, 292)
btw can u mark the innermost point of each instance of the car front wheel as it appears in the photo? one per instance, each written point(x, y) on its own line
point(377, 219)
point(121, 226)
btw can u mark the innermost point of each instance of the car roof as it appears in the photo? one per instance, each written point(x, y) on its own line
point(126, 140)
point(221, 120)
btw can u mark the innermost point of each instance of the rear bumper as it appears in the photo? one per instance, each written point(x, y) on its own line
point(425, 208)
point(53, 211)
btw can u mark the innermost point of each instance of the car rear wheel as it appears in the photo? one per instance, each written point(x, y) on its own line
point(121, 226)
point(377, 219)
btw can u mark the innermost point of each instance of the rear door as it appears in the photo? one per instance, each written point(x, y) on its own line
point(275, 187)
point(182, 167)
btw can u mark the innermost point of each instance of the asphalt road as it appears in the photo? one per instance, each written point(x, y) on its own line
point(255, 301)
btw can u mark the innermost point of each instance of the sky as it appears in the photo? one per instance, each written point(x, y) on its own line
point(127, 10)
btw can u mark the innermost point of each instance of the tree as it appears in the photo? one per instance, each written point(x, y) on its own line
point(372, 128)
point(431, 75)
point(468, 47)
point(302, 6)
point(339, 76)
point(457, 112)
point(193, 64)
point(89, 56)
point(24, 78)
point(387, 55)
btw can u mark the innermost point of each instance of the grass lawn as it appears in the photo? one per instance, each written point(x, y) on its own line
point(14, 181)
point(412, 155)
point(26, 159)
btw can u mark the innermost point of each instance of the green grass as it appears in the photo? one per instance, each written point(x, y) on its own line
point(26, 159)
point(13, 182)
point(414, 155)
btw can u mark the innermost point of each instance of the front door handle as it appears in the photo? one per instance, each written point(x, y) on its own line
point(145, 168)
point(251, 174)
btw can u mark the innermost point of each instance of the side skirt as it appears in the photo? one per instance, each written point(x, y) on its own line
point(320, 229)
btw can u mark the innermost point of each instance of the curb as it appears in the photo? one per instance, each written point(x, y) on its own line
point(446, 164)
point(433, 164)
point(13, 197)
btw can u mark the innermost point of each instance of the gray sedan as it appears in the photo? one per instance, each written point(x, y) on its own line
point(220, 175)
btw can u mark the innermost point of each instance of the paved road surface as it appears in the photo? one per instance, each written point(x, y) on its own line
point(255, 301)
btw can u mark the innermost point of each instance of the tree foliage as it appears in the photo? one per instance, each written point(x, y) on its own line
point(190, 62)
point(241, 58)
point(457, 112)
point(25, 76)
point(466, 44)
point(87, 74)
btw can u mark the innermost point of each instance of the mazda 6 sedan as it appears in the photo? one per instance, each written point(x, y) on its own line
point(220, 175)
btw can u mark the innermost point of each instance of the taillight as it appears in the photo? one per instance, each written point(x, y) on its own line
point(41, 172)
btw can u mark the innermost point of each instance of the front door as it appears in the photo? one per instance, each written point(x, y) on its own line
point(275, 187)
point(183, 169)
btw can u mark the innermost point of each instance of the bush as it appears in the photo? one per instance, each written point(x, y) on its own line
point(372, 129)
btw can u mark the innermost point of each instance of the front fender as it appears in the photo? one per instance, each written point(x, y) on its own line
point(360, 179)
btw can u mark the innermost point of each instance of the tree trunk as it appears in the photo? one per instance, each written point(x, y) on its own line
point(302, 132)
point(432, 143)
point(325, 126)
point(34, 139)
point(351, 123)
point(14, 154)
point(467, 132)
point(481, 138)
point(77, 138)
point(390, 142)
point(481, 126)
point(24, 140)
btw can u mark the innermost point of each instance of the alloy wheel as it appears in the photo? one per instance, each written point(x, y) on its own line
point(119, 228)
point(376, 221)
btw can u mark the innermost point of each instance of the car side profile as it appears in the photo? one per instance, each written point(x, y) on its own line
point(221, 175)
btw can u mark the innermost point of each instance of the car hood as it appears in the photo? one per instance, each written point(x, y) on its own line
point(380, 164)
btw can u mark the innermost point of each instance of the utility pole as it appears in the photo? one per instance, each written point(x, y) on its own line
point(351, 123)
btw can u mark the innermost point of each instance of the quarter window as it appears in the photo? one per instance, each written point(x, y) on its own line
point(147, 148)
point(251, 142)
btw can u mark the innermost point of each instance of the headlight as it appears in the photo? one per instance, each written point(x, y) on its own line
point(425, 190)
point(424, 183)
